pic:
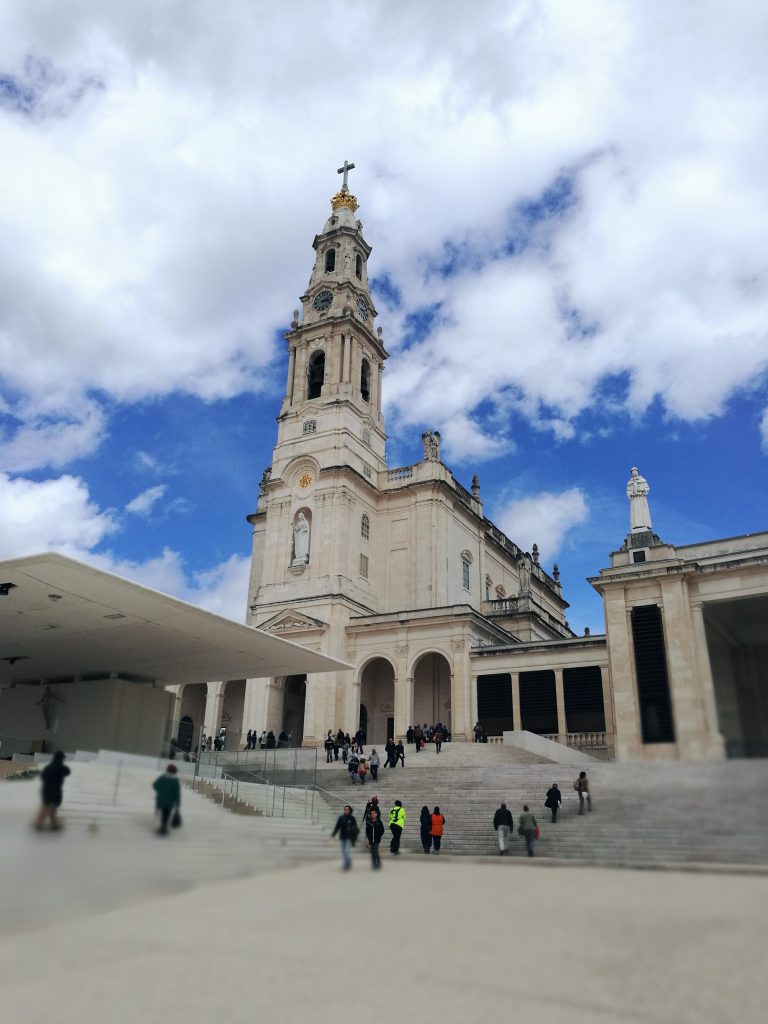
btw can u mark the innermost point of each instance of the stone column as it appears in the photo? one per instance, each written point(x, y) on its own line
point(562, 727)
point(706, 682)
point(312, 711)
point(605, 676)
point(352, 717)
point(516, 716)
point(178, 692)
point(621, 656)
point(461, 728)
point(291, 372)
point(214, 702)
point(694, 740)
point(403, 705)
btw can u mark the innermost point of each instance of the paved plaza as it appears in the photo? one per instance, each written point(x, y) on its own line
point(443, 939)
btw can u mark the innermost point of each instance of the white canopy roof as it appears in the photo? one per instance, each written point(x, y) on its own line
point(64, 618)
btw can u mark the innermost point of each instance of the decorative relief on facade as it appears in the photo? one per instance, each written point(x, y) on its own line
point(458, 644)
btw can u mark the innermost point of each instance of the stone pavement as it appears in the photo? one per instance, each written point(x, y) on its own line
point(448, 940)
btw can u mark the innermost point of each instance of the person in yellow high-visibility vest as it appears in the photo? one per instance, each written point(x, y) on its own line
point(397, 818)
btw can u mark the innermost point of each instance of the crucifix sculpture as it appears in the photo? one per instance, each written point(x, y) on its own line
point(345, 171)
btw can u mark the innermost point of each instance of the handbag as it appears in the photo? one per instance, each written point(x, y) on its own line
point(536, 832)
point(176, 819)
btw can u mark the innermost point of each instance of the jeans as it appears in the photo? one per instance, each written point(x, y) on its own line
point(346, 853)
point(438, 745)
point(401, 758)
point(352, 777)
point(374, 772)
point(584, 798)
point(375, 856)
point(503, 835)
point(328, 756)
point(529, 841)
point(554, 812)
point(362, 778)
point(436, 840)
point(426, 840)
point(397, 831)
point(165, 814)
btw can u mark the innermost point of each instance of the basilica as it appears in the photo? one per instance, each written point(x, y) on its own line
point(398, 573)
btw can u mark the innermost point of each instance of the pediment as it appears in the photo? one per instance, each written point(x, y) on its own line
point(292, 622)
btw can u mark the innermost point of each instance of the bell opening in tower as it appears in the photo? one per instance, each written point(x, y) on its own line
point(365, 380)
point(330, 261)
point(316, 375)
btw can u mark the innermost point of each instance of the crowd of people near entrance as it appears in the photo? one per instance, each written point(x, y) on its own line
point(351, 749)
point(432, 824)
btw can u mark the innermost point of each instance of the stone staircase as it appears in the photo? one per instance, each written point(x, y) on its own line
point(644, 814)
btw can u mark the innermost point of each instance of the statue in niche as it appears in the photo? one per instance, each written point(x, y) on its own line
point(47, 705)
point(639, 510)
point(300, 540)
point(266, 476)
point(431, 441)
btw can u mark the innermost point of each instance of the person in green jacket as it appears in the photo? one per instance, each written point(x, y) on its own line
point(397, 818)
point(167, 796)
point(526, 827)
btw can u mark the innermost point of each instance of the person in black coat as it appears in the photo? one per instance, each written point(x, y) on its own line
point(389, 750)
point(52, 793)
point(503, 822)
point(399, 755)
point(425, 829)
point(374, 832)
point(554, 799)
point(347, 831)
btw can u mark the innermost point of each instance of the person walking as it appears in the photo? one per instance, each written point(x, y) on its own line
point(409, 734)
point(397, 817)
point(352, 768)
point(554, 799)
point(52, 791)
point(389, 750)
point(418, 736)
point(478, 731)
point(373, 762)
point(527, 827)
point(360, 741)
point(329, 745)
point(362, 771)
point(503, 823)
point(347, 830)
point(438, 736)
point(581, 785)
point(438, 825)
point(399, 754)
point(374, 833)
point(167, 797)
point(372, 805)
point(425, 829)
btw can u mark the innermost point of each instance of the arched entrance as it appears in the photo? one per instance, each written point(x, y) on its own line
point(185, 733)
point(377, 700)
point(192, 714)
point(232, 713)
point(432, 690)
point(294, 701)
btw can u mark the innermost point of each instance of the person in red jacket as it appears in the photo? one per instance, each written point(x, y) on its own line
point(438, 823)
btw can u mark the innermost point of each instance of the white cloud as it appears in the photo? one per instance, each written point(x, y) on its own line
point(764, 429)
point(52, 514)
point(143, 503)
point(161, 191)
point(59, 515)
point(543, 519)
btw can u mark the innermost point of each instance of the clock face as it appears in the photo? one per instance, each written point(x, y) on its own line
point(362, 309)
point(323, 301)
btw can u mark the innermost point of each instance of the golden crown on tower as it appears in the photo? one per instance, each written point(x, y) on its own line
point(344, 198)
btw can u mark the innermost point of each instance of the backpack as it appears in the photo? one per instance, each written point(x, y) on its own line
point(576, 785)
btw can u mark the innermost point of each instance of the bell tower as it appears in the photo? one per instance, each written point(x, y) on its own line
point(332, 405)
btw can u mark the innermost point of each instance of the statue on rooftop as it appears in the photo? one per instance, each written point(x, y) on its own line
point(639, 510)
point(431, 441)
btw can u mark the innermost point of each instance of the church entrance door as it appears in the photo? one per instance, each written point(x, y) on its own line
point(294, 700)
point(432, 690)
point(377, 696)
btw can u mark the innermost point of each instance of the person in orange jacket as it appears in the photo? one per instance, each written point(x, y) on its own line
point(438, 824)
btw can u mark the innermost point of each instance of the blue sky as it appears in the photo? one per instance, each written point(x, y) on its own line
point(568, 220)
